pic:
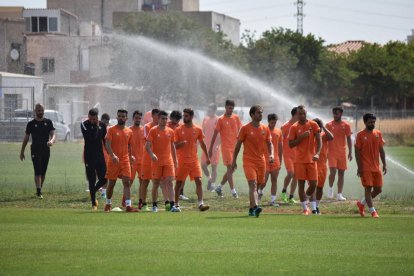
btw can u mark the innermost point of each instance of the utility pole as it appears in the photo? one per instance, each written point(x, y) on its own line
point(299, 16)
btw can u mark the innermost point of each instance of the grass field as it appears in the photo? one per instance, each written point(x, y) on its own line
point(60, 235)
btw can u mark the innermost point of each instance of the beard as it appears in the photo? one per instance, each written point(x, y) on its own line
point(120, 122)
point(370, 127)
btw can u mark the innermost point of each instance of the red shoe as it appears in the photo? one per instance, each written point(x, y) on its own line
point(123, 201)
point(374, 214)
point(129, 209)
point(361, 208)
point(107, 208)
point(306, 212)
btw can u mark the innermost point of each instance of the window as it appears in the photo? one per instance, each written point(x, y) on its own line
point(53, 26)
point(218, 28)
point(48, 65)
point(34, 24)
point(43, 24)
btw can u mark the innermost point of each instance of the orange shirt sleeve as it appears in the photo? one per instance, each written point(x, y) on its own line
point(200, 135)
point(109, 135)
point(218, 125)
point(382, 141)
point(150, 136)
point(358, 141)
point(239, 123)
point(242, 134)
point(292, 133)
point(315, 127)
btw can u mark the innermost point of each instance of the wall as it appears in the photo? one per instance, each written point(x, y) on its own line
point(11, 31)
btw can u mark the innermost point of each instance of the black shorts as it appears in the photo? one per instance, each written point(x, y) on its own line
point(40, 161)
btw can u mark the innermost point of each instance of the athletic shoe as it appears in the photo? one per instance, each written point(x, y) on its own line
point(154, 209)
point(123, 201)
point(330, 193)
point(203, 207)
point(374, 214)
point(251, 213)
point(39, 196)
point(183, 197)
point(317, 211)
point(107, 208)
point(211, 187)
point(340, 197)
point(314, 212)
point(129, 209)
point(175, 209)
point(306, 212)
point(219, 191)
point(272, 203)
point(284, 197)
point(235, 195)
point(292, 201)
point(145, 208)
point(361, 208)
point(139, 205)
point(94, 208)
point(257, 211)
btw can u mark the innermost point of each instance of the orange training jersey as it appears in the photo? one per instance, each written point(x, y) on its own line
point(276, 135)
point(288, 153)
point(209, 125)
point(105, 152)
point(187, 153)
point(120, 138)
point(161, 140)
point(306, 149)
point(253, 139)
point(323, 156)
point(228, 127)
point(137, 145)
point(146, 159)
point(337, 147)
point(369, 143)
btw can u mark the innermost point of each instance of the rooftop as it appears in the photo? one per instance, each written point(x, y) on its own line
point(347, 46)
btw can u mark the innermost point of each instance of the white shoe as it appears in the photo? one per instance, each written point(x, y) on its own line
point(340, 197)
point(175, 209)
point(235, 195)
point(330, 193)
point(183, 197)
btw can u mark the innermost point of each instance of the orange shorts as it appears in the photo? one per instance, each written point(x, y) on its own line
point(114, 171)
point(188, 169)
point(306, 171)
point(371, 179)
point(146, 171)
point(270, 167)
point(214, 160)
point(338, 162)
point(136, 170)
point(227, 156)
point(255, 172)
point(289, 164)
point(322, 172)
point(161, 172)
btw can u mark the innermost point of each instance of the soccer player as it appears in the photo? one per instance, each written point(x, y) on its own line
point(326, 136)
point(137, 148)
point(105, 119)
point(94, 133)
point(146, 171)
point(289, 158)
point(160, 147)
point(341, 130)
point(369, 147)
point(118, 143)
point(273, 168)
point(186, 138)
point(304, 135)
point(208, 126)
point(254, 136)
point(228, 125)
point(43, 137)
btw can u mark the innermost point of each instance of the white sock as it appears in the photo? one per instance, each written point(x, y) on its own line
point(313, 205)
point(200, 203)
point(363, 201)
point(372, 209)
point(273, 198)
point(104, 191)
point(233, 191)
point(304, 205)
point(108, 201)
point(339, 194)
point(317, 203)
point(128, 202)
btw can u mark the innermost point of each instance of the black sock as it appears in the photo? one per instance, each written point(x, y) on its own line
point(38, 191)
point(250, 209)
point(284, 191)
point(182, 192)
point(154, 204)
point(140, 201)
point(171, 203)
point(291, 196)
point(255, 206)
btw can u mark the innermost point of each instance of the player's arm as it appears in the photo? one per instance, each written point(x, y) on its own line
point(213, 140)
point(270, 151)
point(24, 144)
point(328, 135)
point(180, 144)
point(204, 149)
point(236, 152)
point(131, 157)
point(52, 136)
point(108, 147)
point(149, 150)
point(280, 147)
point(349, 142)
point(294, 142)
point(174, 154)
point(358, 161)
point(318, 146)
point(383, 160)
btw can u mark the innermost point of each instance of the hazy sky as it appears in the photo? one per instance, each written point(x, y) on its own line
point(333, 20)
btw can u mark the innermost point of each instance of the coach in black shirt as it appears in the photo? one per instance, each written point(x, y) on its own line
point(94, 133)
point(43, 137)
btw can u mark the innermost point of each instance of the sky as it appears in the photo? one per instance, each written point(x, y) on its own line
point(335, 21)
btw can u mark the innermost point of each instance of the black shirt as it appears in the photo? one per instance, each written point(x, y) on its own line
point(94, 136)
point(40, 131)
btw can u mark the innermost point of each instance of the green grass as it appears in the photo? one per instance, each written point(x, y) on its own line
point(64, 241)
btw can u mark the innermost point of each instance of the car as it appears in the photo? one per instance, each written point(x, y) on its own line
point(62, 129)
point(76, 127)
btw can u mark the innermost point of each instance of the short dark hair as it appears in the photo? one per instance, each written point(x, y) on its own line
point(162, 113)
point(272, 116)
point(301, 107)
point(189, 111)
point(294, 111)
point(122, 111)
point(368, 116)
point(212, 106)
point(155, 111)
point(176, 114)
point(105, 116)
point(229, 103)
point(338, 108)
point(93, 112)
point(136, 112)
point(254, 108)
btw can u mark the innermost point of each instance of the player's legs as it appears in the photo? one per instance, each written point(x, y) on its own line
point(155, 186)
point(341, 174)
point(178, 185)
point(273, 178)
point(91, 176)
point(110, 191)
point(332, 175)
point(213, 173)
point(143, 190)
point(206, 172)
point(253, 198)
